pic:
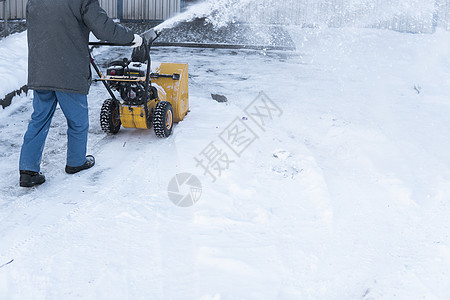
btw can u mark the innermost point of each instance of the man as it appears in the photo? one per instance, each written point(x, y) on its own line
point(59, 72)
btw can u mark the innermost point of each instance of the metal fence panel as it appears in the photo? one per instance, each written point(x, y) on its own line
point(414, 16)
point(16, 9)
point(132, 9)
point(150, 9)
point(110, 6)
point(443, 13)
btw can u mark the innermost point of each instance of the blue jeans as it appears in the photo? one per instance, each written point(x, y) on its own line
point(75, 109)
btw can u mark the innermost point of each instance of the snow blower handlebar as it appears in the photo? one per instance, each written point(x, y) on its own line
point(102, 43)
point(149, 37)
point(93, 45)
point(142, 52)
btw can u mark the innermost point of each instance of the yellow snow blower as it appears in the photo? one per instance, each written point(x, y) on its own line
point(149, 95)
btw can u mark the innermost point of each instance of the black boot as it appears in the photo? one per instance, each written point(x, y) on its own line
point(30, 178)
point(89, 163)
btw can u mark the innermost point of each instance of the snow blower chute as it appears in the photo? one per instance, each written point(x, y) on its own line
point(149, 95)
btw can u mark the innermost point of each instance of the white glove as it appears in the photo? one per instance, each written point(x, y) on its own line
point(137, 41)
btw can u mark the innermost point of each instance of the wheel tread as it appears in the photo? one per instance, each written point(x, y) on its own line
point(159, 119)
point(106, 121)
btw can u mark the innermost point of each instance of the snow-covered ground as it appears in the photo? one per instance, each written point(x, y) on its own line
point(343, 194)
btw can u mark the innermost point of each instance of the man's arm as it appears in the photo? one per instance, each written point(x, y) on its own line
point(102, 26)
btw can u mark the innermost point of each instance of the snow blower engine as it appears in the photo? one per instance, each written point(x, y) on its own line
point(146, 96)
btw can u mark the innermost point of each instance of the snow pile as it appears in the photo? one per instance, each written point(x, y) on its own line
point(13, 63)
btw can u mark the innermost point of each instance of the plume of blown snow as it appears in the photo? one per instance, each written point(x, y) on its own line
point(358, 13)
point(219, 13)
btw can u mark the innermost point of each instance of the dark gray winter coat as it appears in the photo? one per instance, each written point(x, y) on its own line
point(58, 37)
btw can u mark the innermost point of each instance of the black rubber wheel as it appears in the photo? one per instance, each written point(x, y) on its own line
point(163, 119)
point(110, 116)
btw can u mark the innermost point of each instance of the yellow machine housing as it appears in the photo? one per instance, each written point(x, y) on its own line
point(134, 116)
point(175, 91)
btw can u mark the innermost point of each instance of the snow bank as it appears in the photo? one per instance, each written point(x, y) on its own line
point(13, 63)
